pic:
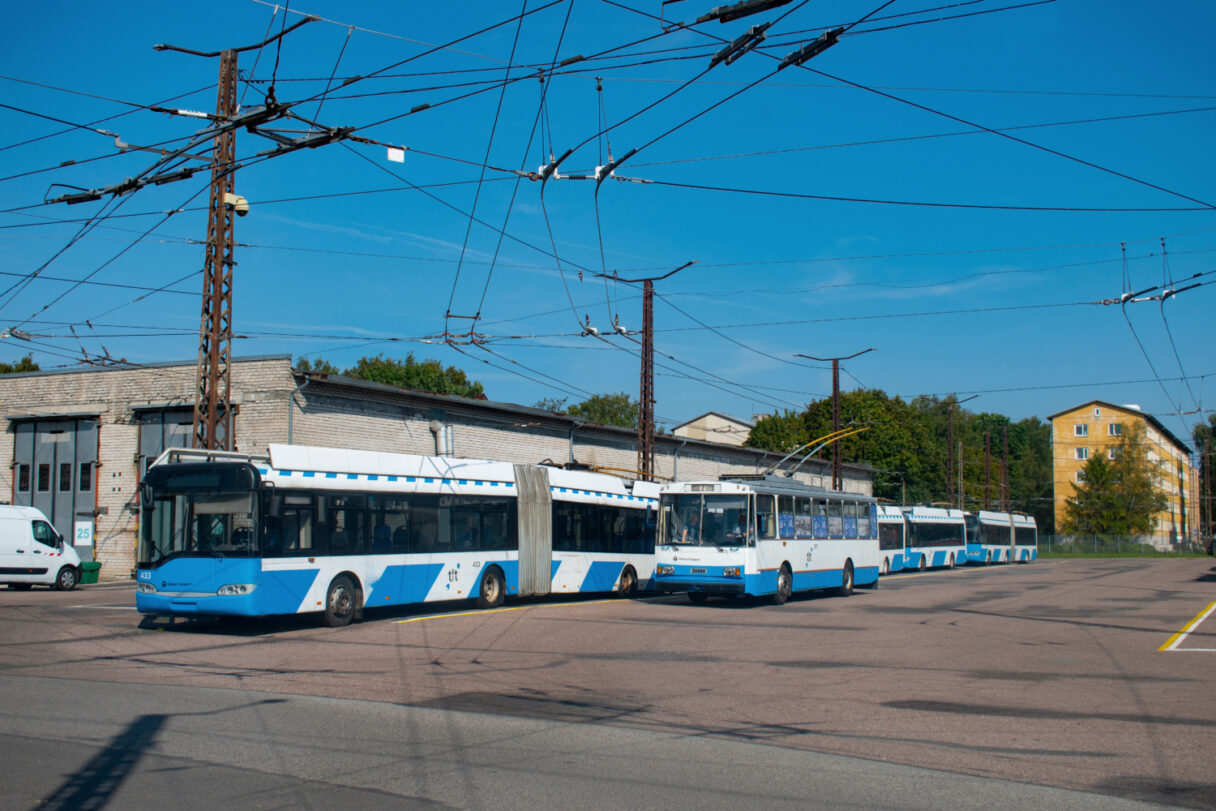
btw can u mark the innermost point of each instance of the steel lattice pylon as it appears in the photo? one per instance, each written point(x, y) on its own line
point(213, 403)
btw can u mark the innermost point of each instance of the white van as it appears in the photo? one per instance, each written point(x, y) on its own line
point(31, 551)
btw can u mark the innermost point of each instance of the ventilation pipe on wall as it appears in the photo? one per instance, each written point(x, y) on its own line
point(291, 406)
point(444, 442)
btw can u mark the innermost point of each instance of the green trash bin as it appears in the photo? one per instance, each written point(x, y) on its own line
point(88, 571)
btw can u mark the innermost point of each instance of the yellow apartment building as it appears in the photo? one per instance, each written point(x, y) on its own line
point(1096, 427)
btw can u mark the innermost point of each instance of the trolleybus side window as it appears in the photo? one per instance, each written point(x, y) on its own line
point(785, 516)
point(766, 516)
point(802, 517)
point(850, 519)
point(835, 519)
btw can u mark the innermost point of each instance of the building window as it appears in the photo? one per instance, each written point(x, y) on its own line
point(23, 478)
point(1114, 429)
point(86, 477)
point(1080, 430)
point(1080, 477)
point(1111, 454)
point(1097, 412)
point(1082, 454)
point(44, 478)
point(65, 477)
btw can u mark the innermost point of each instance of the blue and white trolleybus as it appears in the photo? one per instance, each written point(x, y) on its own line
point(333, 531)
point(763, 535)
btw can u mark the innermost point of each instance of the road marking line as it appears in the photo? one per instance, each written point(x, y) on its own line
point(1174, 641)
point(484, 611)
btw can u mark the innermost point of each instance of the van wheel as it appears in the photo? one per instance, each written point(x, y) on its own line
point(846, 580)
point(340, 603)
point(66, 579)
point(492, 592)
point(785, 585)
point(628, 586)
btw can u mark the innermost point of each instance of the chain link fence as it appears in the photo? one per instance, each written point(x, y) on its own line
point(1064, 546)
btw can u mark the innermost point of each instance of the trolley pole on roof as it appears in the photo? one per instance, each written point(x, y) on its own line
point(838, 454)
point(213, 399)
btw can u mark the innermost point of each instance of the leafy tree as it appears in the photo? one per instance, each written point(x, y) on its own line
point(554, 404)
point(608, 409)
point(427, 375)
point(1206, 433)
point(319, 366)
point(780, 433)
point(1117, 497)
point(26, 364)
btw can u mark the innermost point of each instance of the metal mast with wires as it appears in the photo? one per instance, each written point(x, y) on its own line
point(646, 388)
point(213, 396)
point(838, 453)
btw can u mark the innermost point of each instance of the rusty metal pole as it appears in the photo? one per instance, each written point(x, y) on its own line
point(838, 455)
point(646, 400)
point(987, 468)
point(1005, 499)
point(213, 400)
point(950, 454)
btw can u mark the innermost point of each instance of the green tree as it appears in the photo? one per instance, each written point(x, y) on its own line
point(319, 366)
point(1117, 497)
point(26, 364)
point(554, 404)
point(780, 433)
point(427, 375)
point(608, 409)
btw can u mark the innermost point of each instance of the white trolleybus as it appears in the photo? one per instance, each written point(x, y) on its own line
point(936, 537)
point(892, 535)
point(999, 537)
point(763, 535)
point(333, 531)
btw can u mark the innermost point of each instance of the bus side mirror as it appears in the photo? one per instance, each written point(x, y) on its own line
point(145, 495)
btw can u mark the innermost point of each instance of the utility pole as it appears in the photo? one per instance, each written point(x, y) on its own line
point(960, 474)
point(646, 388)
point(213, 399)
point(950, 480)
point(987, 468)
point(646, 392)
point(1005, 499)
point(838, 452)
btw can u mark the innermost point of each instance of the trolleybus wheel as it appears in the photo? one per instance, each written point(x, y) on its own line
point(629, 583)
point(951, 566)
point(988, 560)
point(846, 580)
point(785, 585)
point(921, 566)
point(886, 567)
point(491, 594)
point(340, 602)
point(697, 596)
point(66, 579)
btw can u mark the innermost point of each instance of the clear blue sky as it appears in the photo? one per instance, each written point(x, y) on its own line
point(341, 256)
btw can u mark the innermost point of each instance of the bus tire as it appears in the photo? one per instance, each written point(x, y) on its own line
point(492, 591)
point(341, 601)
point(697, 597)
point(988, 560)
point(921, 566)
point(66, 579)
point(846, 580)
point(628, 586)
point(886, 567)
point(785, 585)
point(950, 564)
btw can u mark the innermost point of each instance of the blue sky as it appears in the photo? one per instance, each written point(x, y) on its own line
point(979, 263)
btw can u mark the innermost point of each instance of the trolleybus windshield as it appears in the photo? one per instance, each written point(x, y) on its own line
point(698, 519)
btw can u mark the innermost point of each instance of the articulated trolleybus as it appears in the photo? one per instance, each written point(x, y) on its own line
point(997, 537)
point(332, 531)
point(763, 535)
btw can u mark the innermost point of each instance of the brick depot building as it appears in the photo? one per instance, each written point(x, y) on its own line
point(78, 441)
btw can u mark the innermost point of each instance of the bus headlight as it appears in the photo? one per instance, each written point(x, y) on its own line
point(145, 588)
point(731, 571)
point(663, 568)
point(236, 589)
